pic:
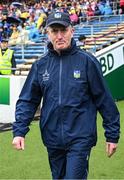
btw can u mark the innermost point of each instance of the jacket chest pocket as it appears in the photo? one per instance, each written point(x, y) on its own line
point(77, 90)
point(78, 86)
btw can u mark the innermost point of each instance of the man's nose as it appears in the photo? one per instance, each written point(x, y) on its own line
point(59, 34)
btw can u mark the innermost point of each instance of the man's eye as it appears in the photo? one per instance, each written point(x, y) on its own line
point(63, 30)
point(54, 30)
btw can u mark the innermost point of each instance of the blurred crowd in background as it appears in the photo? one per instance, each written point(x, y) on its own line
point(24, 21)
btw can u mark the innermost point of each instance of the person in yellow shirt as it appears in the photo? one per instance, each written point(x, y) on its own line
point(7, 59)
point(25, 14)
point(41, 20)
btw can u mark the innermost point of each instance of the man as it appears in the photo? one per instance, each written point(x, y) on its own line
point(73, 89)
point(7, 59)
point(81, 41)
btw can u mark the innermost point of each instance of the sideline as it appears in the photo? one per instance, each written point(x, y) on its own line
point(5, 127)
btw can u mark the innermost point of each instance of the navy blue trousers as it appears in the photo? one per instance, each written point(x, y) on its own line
point(70, 163)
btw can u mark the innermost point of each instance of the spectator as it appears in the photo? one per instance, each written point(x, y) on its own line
point(122, 6)
point(81, 41)
point(6, 29)
point(89, 12)
point(41, 20)
point(34, 34)
point(107, 9)
point(1, 33)
point(101, 6)
point(73, 16)
point(7, 59)
point(14, 36)
point(97, 11)
point(23, 37)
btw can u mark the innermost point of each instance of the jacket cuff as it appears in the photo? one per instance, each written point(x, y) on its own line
point(18, 134)
point(112, 140)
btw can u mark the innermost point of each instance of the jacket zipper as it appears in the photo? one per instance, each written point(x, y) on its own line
point(60, 98)
point(60, 82)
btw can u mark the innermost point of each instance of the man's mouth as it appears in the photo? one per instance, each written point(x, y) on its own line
point(60, 43)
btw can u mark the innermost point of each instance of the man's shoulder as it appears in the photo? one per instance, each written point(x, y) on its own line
point(43, 58)
point(88, 56)
point(84, 53)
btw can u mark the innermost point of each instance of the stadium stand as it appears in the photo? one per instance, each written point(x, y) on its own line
point(25, 55)
point(100, 32)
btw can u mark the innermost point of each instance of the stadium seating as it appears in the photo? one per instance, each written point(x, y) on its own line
point(99, 34)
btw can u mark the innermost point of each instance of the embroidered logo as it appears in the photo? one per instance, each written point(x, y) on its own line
point(77, 74)
point(46, 76)
point(57, 15)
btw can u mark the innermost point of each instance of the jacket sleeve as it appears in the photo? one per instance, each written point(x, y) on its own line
point(26, 106)
point(103, 100)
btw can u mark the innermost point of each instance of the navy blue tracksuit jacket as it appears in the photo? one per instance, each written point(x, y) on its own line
point(73, 90)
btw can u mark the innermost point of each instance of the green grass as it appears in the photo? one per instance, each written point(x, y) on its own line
point(102, 167)
point(32, 163)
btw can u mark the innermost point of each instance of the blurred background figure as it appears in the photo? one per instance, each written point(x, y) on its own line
point(122, 6)
point(7, 59)
point(14, 36)
point(81, 41)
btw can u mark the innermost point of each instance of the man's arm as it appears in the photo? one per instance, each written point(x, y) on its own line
point(26, 106)
point(105, 105)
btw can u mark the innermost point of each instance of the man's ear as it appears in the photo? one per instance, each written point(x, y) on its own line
point(72, 31)
point(47, 33)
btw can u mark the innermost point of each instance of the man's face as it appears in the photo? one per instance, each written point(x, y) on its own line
point(60, 36)
point(4, 45)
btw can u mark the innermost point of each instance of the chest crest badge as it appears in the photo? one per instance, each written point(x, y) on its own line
point(77, 74)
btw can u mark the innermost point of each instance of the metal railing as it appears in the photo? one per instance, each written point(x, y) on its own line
point(23, 46)
point(103, 31)
point(101, 18)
